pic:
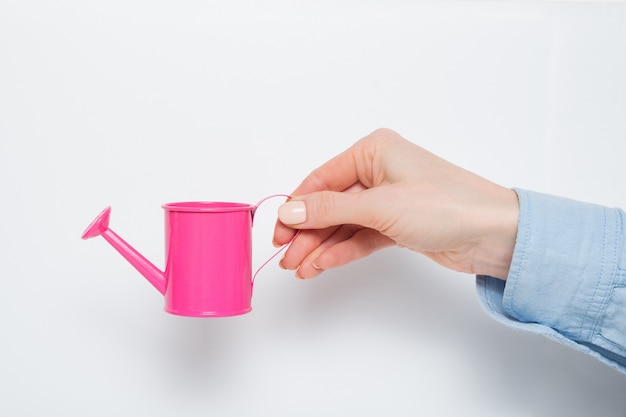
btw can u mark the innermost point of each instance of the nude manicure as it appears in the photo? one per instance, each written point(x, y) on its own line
point(292, 212)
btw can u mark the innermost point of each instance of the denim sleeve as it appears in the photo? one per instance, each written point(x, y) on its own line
point(567, 278)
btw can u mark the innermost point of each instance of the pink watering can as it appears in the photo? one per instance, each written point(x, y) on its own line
point(208, 253)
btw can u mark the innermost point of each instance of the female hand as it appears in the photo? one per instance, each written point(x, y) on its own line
point(384, 191)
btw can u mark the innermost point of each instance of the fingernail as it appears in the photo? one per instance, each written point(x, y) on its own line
point(297, 274)
point(316, 266)
point(292, 212)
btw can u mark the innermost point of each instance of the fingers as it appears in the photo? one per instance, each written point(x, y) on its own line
point(304, 266)
point(283, 233)
point(354, 165)
point(306, 242)
point(351, 170)
point(344, 172)
point(363, 243)
point(323, 209)
point(338, 174)
point(347, 244)
point(333, 196)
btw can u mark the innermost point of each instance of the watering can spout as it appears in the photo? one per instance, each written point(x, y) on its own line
point(100, 227)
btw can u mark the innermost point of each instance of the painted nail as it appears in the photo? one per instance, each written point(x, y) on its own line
point(297, 274)
point(315, 266)
point(292, 212)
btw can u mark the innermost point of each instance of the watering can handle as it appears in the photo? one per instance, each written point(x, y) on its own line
point(282, 248)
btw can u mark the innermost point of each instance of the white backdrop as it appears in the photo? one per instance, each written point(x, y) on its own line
point(136, 103)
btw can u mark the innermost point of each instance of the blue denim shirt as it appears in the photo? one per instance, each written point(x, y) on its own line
point(567, 278)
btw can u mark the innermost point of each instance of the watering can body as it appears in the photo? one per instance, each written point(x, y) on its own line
point(208, 253)
point(208, 269)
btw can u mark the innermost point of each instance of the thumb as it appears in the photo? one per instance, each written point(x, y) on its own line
point(327, 208)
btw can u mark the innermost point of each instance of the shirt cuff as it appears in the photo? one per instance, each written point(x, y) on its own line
point(567, 278)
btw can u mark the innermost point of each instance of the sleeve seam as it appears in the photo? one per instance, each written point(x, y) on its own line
point(601, 307)
point(593, 327)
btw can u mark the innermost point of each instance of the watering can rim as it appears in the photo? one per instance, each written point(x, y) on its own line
point(208, 206)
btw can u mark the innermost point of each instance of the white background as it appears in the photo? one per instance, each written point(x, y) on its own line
point(137, 103)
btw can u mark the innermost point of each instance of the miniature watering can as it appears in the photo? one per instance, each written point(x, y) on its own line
point(208, 254)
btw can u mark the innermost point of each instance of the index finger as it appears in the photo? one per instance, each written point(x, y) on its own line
point(340, 173)
point(337, 174)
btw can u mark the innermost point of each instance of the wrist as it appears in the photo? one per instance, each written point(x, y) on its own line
point(495, 249)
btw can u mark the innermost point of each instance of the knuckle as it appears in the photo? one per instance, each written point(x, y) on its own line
point(384, 135)
point(315, 179)
point(323, 208)
point(383, 132)
point(379, 139)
